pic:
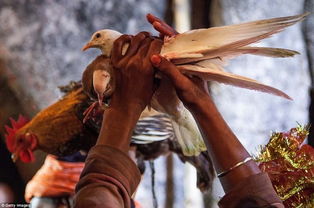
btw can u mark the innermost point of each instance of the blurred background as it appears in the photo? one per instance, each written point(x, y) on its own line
point(40, 49)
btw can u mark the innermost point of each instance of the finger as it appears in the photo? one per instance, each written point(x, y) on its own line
point(151, 18)
point(143, 49)
point(136, 42)
point(200, 83)
point(164, 29)
point(118, 44)
point(154, 48)
point(197, 80)
point(171, 71)
point(160, 28)
point(171, 31)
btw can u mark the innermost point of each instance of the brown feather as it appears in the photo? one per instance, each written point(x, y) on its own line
point(57, 124)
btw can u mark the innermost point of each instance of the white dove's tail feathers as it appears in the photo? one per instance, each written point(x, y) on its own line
point(214, 41)
point(187, 134)
point(231, 79)
point(270, 52)
point(218, 62)
point(232, 53)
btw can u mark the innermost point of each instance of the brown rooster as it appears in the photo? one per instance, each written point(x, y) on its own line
point(57, 130)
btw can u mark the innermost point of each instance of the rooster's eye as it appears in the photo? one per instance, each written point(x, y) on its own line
point(98, 35)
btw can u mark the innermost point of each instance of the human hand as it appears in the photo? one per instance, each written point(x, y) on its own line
point(134, 72)
point(163, 28)
point(188, 89)
point(191, 90)
point(134, 87)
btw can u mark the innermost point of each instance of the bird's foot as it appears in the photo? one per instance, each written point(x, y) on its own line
point(90, 111)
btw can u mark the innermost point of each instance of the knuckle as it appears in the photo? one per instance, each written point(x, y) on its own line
point(118, 64)
point(145, 33)
point(139, 36)
point(132, 64)
point(115, 62)
point(147, 66)
point(122, 38)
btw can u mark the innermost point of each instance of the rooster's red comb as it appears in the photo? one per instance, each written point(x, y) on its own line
point(11, 131)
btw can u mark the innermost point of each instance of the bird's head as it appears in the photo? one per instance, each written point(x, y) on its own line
point(20, 142)
point(103, 39)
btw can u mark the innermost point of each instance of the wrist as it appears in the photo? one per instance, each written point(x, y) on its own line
point(127, 107)
point(200, 104)
point(117, 126)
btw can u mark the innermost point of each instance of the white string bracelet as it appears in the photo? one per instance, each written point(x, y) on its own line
point(235, 166)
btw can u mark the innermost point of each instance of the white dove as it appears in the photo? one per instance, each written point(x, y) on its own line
point(202, 53)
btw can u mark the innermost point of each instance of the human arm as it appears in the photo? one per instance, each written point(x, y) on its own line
point(223, 146)
point(195, 97)
point(110, 177)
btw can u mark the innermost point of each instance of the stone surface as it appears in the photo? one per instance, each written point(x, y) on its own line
point(254, 115)
point(41, 40)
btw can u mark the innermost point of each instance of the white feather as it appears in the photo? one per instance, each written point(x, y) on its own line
point(218, 39)
point(230, 79)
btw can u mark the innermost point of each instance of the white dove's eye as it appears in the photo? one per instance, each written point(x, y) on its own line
point(97, 35)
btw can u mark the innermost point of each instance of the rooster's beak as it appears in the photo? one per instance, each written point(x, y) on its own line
point(87, 46)
point(15, 155)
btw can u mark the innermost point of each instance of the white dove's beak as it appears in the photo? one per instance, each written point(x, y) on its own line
point(87, 46)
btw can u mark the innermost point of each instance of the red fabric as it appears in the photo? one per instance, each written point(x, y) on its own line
point(54, 178)
point(109, 179)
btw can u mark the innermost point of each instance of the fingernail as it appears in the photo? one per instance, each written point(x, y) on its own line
point(156, 60)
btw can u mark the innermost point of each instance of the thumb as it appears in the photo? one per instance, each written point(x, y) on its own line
point(170, 70)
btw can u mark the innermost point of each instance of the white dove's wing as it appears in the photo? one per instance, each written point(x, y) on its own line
point(219, 63)
point(215, 40)
point(230, 79)
point(187, 133)
point(213, 64)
